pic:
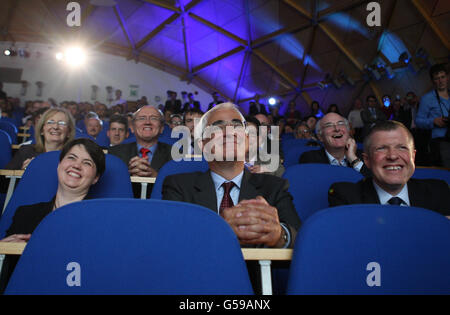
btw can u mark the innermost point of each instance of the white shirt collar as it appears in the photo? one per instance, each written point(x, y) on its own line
point(219, 180)
point(384, 196)
point(334, 161)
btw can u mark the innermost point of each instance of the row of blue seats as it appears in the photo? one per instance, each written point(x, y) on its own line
point(308, 183)
point(125, 246)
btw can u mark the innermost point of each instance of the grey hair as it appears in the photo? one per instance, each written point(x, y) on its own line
point(159, 111)
point(319, 130)
point(200, 128)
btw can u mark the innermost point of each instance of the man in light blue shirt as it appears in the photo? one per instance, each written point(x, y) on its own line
point(433, 114)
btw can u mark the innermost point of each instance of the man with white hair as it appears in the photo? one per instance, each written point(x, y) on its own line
point(258, 207)
point(338, 147)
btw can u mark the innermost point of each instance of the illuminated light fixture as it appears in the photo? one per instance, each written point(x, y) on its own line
point(7, 52)
point(272, 101)
point(404, 57)
point(75, 56)
point(389, 72)
point(59, 56)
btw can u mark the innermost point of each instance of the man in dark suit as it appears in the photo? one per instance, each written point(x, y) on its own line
point(147, 155)
point(172, 103)
point(371, 114)
point(338, 147)
point(191, 103)
point(258, 207)
point(256, 107)
point(389, 152)
point(216, 100)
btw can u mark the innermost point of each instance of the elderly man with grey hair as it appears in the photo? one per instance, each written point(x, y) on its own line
point(338, 147)
point(147, 155)
point(258, 207)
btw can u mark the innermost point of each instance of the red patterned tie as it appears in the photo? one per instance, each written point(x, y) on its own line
point(144, 152)
point(227, 202)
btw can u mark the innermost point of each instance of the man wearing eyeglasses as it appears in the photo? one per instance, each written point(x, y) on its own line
point(147, 155)
point(258, 207)
point(338, 147)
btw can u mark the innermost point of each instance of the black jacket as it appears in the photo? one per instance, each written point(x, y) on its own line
point(430, 194)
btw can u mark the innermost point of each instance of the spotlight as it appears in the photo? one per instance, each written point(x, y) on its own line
point(7, 52)
point(272, 101)
point(75, 56)
point(404, 57)
point(59, 56)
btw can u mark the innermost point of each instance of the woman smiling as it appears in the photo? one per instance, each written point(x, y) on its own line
point(54, 129)
point(81, 164)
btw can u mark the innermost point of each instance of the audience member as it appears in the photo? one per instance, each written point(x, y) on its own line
point(315, 110)
point(118, 100)
point(54, 129)
point(292, 115)
point(93, 125)
point(175, 120)
point(191, 103)
point(333, 108)
point(389, 153)
point(371, 114)
point(191, 117)
point(216, 100)
point(256, 107)
point(81, 164)
point(354, 118)
point(172, 104)
point(387, 106)
point(434, 114)
point(258, 207)
point(147, 155)
point(338, 148)
point(264, 163)
point(118, 130)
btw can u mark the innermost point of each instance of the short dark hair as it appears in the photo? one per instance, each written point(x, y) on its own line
point(92, 148)
point(121, 119)
point(370, 96)
point(441, 67)
point(387, 125)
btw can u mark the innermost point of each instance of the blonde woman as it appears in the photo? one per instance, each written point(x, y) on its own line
point(54, 129)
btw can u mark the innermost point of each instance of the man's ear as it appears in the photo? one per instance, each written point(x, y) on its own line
point(366, 160)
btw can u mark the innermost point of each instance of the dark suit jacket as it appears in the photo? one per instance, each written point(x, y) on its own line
point(254, 109)
point(25, 221)
point(25, 152)
point(174, 106)
point(198, 188)
point(430, 194)
point(320, 156)
point(368, 119)
point(129, 150)
point(195, 105)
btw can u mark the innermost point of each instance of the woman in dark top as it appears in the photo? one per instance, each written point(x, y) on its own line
point(54, 129)
point(81, 164)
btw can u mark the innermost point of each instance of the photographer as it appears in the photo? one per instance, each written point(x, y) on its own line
point(434, 114)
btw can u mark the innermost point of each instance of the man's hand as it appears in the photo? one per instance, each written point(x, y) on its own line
point(441, 122)
point(141, 167)
point(255, 222)
point(350, 150)
point(17, 238)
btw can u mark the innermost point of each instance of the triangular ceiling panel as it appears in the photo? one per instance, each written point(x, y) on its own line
point(285, 46)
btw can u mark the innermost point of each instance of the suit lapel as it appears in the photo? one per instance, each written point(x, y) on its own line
point(249, 187)
point(205, 193)
point(416, 197)
point(369, 194)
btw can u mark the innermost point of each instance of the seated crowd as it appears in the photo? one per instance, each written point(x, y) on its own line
point(379, 141)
